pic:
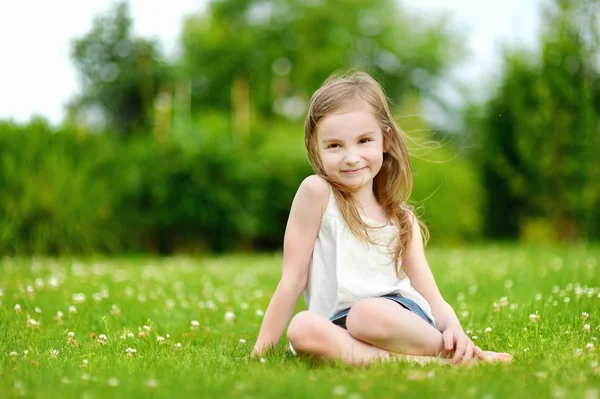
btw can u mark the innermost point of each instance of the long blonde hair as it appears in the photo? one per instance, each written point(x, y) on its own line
point(392, 186)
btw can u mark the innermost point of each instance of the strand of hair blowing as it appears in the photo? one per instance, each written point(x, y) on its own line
point(392, 186)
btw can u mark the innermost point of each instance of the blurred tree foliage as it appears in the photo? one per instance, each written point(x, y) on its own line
point(271, 55)
point(541, 163)
point(120, 74)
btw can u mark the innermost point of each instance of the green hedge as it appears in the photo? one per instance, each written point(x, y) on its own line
point(64, 192)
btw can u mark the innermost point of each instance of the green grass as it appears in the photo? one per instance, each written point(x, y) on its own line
point(167, 294)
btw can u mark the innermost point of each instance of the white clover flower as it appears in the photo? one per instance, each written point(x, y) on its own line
point(586, 328)
point(102, 336)
point(160, 339)
point(18, 308)
point(567, 299)
point(25, 352)
point(259, 313)
point(147, 328)
point(38, 310)
point(168, 336)
point(584, 316)
point(72, 309)
point(130, 350)
point(71, 334)
point(32, 323)
point(474, 337)
point(229, 316)
point(59, 314)
point(590, 347)
point(534, 317)
point(242, 341)
point(178, 345)
point(78, 298)
point(130, 335)
point(263, 360)
point(122, 337)
point(84, 362)
point(578, 352)
point(152, 383)
point(488, 329)
point(503, 301)
point(54, 353)
point(13, 354)
point(538, 297)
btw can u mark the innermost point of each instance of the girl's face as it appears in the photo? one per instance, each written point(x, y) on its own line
point(351, 146)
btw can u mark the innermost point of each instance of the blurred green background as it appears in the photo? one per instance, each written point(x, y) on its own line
point(204, 152)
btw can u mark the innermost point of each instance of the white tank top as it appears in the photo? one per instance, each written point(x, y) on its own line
point(345, 269)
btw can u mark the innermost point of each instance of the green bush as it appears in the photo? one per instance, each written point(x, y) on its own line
point(65, 192)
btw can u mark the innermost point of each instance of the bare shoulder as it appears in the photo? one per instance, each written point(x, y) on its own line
point(315, 190)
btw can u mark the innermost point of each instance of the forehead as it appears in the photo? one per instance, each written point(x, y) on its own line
point(348, 123)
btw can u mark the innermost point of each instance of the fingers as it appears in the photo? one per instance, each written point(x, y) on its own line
point(468, 352)
point(461, 345)
point(477, 351)
point(448, 338)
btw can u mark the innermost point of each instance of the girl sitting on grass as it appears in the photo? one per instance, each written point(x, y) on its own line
point(354, 247)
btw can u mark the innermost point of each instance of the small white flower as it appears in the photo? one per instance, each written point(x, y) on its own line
point(578, 352)
point(152, 383)
point(13, 354)
point(567, 299)
point(586, 328)
point(474, 337)
point(242, 341)
point(38, 310)
point(263, 360)
point(229, 316)
point(84, 362)
point(178, 345)
point(489, 329)
point(32, 323)
point(72, 309)
point(59, 314)
point(584, 316)
point(538, 297)
point(259, 313)
point(130, 335)
point(590, 347)
point(71, 334)
point(147, 328)
point(25, 352)
point(113, 382)
point(54, 353)
point(18, 308)
point(78, 298)
point(130, 350)
point(160, 339)
point(534, 317)
point(526, 350)
point(168, 336)
point(122, 337)
point(503, 301)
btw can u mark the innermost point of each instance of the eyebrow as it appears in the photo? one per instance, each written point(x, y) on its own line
point(366, 134)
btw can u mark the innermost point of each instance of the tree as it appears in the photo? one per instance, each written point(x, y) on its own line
point(121, 75)
point(271, 55)
point(542, 132)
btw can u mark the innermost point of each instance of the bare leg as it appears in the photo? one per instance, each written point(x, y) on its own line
point(313, 335)
point(387, 325)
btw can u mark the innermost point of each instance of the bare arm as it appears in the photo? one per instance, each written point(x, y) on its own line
point(421, 278)
point(300, 235)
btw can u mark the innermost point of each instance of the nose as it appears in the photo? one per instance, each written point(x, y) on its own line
point(351, 158)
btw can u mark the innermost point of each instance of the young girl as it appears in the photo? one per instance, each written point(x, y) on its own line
point(354, 247)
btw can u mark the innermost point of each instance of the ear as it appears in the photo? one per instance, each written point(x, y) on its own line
point(387, 139)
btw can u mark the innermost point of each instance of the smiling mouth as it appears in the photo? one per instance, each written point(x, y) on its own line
point(352, 171)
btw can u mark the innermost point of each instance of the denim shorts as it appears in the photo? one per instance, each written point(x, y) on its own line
point(340, 318)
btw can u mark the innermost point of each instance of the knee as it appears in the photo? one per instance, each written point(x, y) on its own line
point(367, 321)
point(304, 332)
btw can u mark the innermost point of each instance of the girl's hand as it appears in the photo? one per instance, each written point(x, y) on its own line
point(454, 338)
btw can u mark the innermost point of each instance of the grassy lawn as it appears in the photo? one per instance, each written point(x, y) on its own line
point(135, 301)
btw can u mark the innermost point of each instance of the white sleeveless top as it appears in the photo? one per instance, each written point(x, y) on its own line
point(345, 269)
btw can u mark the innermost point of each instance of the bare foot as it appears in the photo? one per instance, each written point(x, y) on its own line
point(489, 356)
